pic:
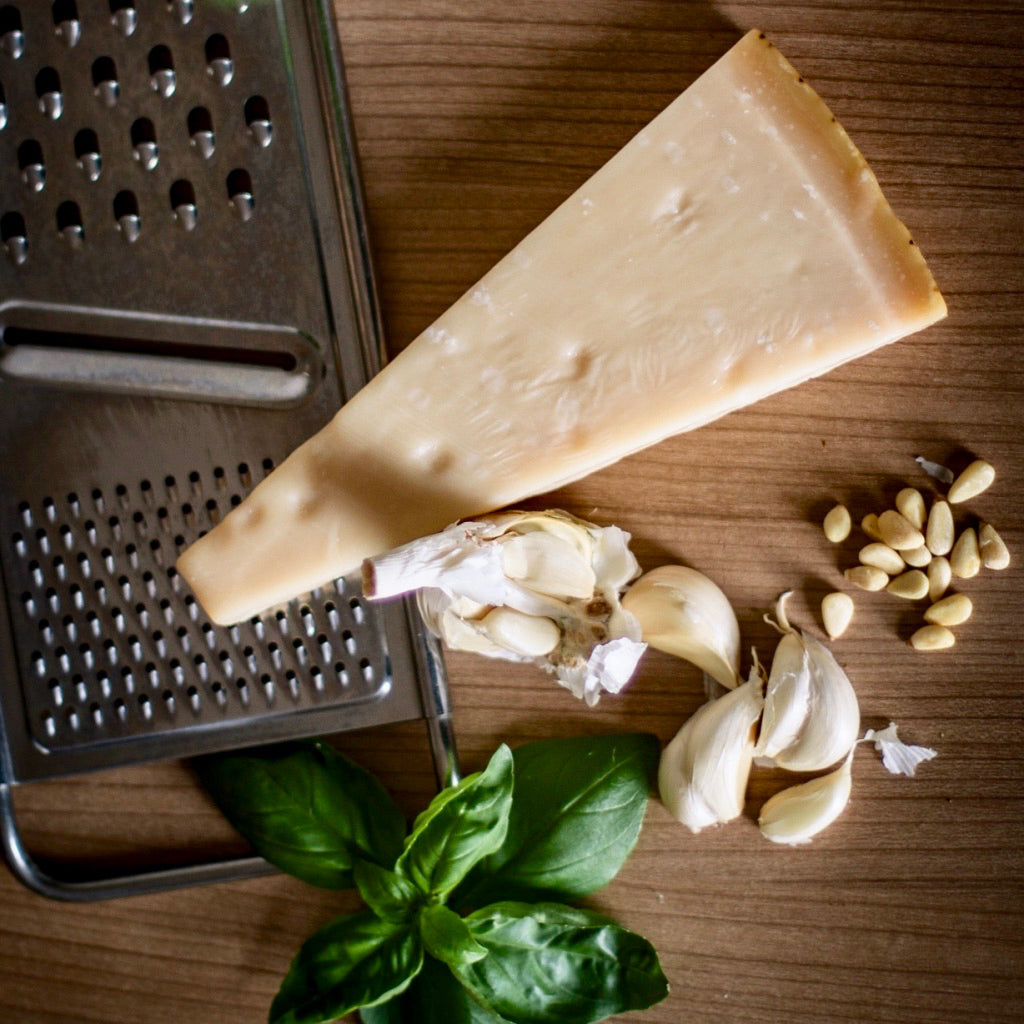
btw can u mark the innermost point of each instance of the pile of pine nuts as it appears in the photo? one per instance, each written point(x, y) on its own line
point(915, 553)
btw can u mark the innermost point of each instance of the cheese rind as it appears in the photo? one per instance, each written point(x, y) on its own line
point(738, 245)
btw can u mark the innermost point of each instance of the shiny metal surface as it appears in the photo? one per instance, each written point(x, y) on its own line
point(185, 295)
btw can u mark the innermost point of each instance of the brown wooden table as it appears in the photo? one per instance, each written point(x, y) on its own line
point(475, 119)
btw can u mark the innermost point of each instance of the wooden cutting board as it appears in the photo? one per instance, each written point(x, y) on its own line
point(474, 121)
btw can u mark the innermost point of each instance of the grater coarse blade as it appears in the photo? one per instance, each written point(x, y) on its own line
point(185, 296)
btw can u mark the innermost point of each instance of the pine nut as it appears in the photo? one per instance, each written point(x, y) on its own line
point(836, 613)
point(881, 556)
point(950, 611)
point(977, 477)
point(867, 577)
point(939, 577)
point(994, 552)
point(932, 638)
point(869, 525)
point(898, 532)
point(939, 534)
point(965, 558)
point(912, 585)
point(837, 524)
point(910, 504)
point(917, 557)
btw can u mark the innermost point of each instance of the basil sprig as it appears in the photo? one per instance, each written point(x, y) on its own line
point(452, 933)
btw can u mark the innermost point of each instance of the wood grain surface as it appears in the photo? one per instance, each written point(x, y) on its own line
point(474, 121)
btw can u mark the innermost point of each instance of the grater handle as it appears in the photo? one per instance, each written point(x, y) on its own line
point(76, 888)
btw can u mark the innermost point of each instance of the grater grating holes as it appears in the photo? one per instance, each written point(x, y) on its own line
point(110, 649)
point(12, 33)
point(107, 86)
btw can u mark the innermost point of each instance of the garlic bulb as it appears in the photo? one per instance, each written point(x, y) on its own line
point(811, 714)
point(797, 814)
point(684, 613)
point(537, 587)
point(703, 773)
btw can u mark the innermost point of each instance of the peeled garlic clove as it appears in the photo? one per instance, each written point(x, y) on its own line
point(811, 713)
point(799, 813)
point(682, 612)
point(703, 773)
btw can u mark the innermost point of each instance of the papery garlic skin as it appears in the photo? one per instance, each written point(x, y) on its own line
point(703, 773)
point(797, 814)
point(812, 716)
point(898, 758)
point(537, 587)
point(684, 613)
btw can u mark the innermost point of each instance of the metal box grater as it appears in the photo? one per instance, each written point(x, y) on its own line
point(185, 296)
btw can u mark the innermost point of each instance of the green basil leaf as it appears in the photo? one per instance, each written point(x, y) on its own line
point(356, 960)
point(307, 809)
point(577, 808)
point(547, 962)
point(390, 896)
point(435, 997)
point(461, 825)
point(447, 937)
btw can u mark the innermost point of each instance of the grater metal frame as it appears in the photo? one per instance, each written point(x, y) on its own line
point(410, 655)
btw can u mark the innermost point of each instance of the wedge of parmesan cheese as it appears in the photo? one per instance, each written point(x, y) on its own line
point(738, 245)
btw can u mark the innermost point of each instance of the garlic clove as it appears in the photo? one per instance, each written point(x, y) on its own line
point(703, 773)
point(797, 814)
point(787, 698)
point(682, 612)
point(549, 564)
point(532, 636)
point(811, 713)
